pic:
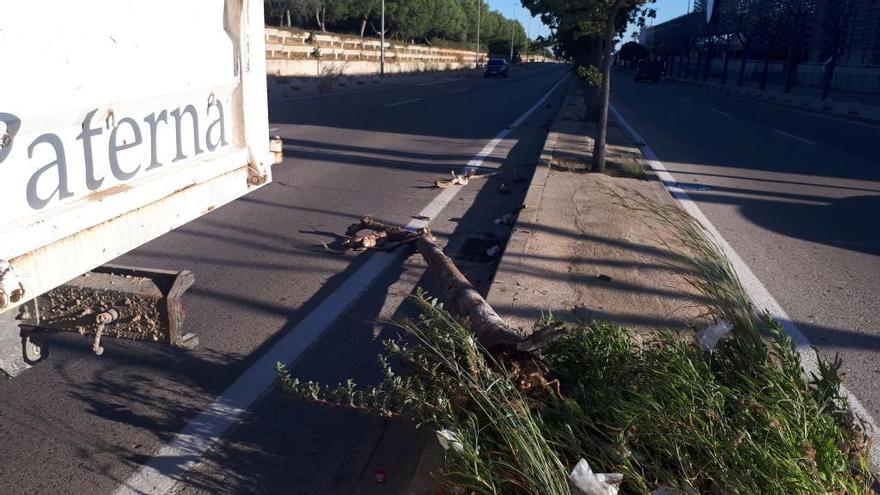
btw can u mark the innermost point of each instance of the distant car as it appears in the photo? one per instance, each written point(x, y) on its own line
point(496, 67)
point(648, 70)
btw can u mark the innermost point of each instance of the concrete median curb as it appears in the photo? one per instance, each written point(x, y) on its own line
point(422, 482)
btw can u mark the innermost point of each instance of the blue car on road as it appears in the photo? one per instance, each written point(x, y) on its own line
point(496, 67)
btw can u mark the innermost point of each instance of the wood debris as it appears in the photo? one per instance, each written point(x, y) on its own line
point(456, 179)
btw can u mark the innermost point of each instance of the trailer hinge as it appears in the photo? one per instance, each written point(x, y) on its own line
point(276, 147)
point(256, 177)
point(11, 288)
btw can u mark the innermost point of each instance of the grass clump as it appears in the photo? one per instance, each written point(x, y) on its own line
point(667, 413)
point(741, 418)
point(499, 444)
point(663, 411)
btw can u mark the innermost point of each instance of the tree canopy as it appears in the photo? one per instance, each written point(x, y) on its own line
point(427, 21)
point(632, 51)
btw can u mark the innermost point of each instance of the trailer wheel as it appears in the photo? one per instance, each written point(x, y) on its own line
point(33, 350)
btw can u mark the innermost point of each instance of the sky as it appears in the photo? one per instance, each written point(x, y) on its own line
point(534, 28)
point(666, 9)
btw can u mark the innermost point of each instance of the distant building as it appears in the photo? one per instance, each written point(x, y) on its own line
point(744, 28)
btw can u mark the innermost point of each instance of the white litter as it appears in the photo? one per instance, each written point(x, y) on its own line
point(585, 482)
point(709, 336)
point(493, 251)
point(11, 289)
point(507, 219)
point(448, 438)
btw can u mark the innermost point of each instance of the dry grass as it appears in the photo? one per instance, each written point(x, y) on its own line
point(667, 413)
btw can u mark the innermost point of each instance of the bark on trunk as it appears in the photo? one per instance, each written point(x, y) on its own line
point(742, 65)
point(791, 68)
point(599, 145)
point(363, 26)
point(287, 17)
point(764, 74)
point(460, 296)
point(726, 62)
point(707, 68)
point(828, 77)
point(767, 55)
point(489, 329)
point(321, 16)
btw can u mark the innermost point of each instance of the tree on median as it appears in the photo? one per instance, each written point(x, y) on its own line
point(586, 31)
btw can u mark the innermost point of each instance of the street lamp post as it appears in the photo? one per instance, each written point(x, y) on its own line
point(382, 41)
point(479, 9)
point(512, 32)
point(529, 39)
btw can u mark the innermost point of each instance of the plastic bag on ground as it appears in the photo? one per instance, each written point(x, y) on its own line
point(585, 482)
point(708, 337)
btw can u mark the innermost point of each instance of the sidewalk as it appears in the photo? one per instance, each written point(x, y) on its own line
point(579, 254)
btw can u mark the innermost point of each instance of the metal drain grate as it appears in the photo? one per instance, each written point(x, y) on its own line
point(474, 249)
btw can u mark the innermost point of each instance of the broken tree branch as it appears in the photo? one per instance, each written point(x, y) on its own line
point(455, 179)
point(461, 297)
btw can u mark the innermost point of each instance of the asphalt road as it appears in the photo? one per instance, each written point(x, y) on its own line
point(796, 194)
point(78, 423)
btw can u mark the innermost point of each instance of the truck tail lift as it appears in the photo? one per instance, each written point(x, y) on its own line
point(111, 301)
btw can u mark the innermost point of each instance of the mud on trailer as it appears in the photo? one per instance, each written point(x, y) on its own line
point(121, 121)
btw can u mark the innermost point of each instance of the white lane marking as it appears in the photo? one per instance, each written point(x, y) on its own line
point(183, 452)
point(756, 291)
point(720, 112)
point(787, 134)
point(404, 102)
point(390, 86)
point(685, 100)
point(462, 90)
point(829, 117)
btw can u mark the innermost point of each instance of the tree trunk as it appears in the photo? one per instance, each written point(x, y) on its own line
point(699, 65)
point(767, 56)
point(363, 26)
point(489, 329)
point(791, 67)
point(459, 295)
point(726, 62)
point(828, 76)
point(708, 67)
point(321, 16)
point(599, 145)
point(764, 74)
point(287, 17)
point(747, 52)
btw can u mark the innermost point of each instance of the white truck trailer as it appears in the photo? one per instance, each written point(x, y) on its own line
point(120, 120)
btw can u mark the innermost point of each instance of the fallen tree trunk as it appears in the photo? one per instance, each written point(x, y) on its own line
point(458, 293)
